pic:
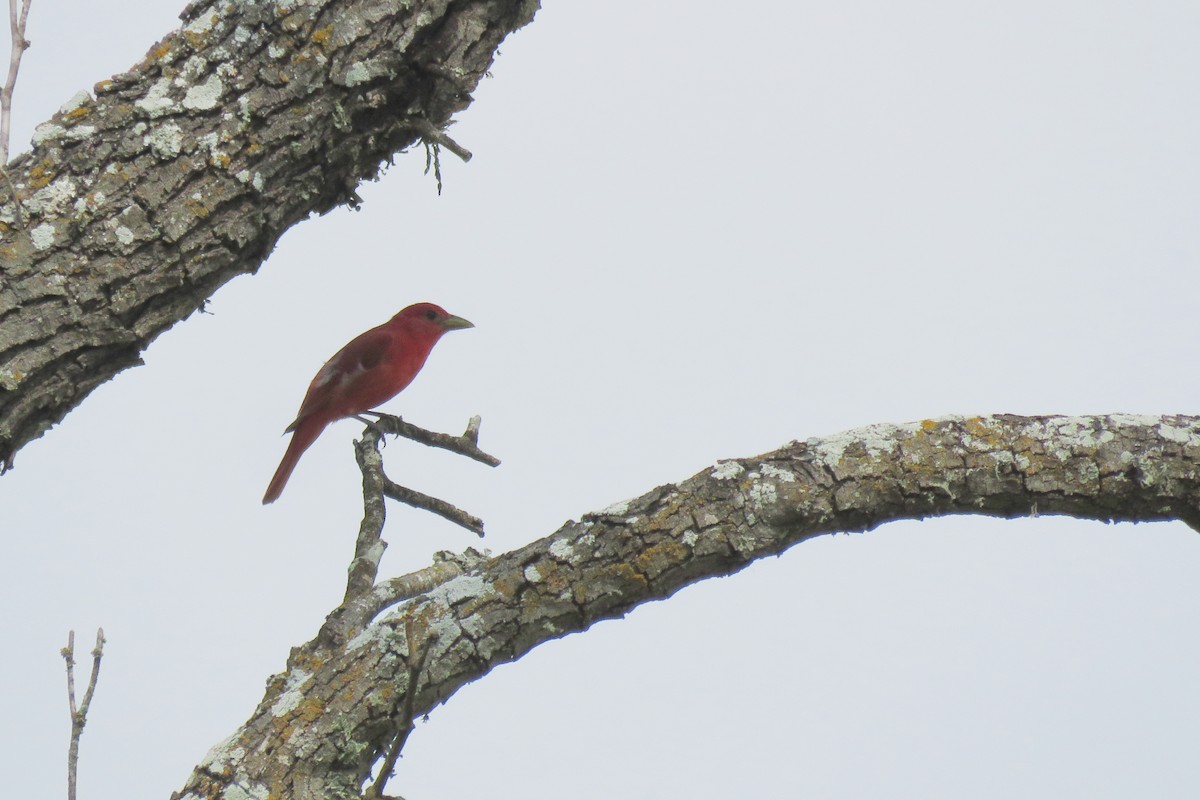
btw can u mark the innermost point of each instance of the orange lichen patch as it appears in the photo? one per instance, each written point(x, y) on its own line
point(101, 86)
point(159, 50)
point(507, 585)
point(608, 580)
point(988, 434)
point(655, 560)
point(664, 518)
point(309, 710)
point(78, 113)
point(220, 160)
point(198, 38)
point(322, 36)
point(551, 576)
point(307, 662)
point(198, 208)
point(976, 427)
point(928, 424)
point(41, 174)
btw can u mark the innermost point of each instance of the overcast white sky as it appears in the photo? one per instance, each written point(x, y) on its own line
point(692, 230)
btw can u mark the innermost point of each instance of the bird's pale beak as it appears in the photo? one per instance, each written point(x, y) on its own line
point(453, 323)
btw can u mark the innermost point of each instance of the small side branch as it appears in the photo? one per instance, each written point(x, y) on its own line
point(416, 664)
point(465, 445)
point(436, 136)
point(365, 598)
point(373, 476)
point(16, 29)
point(79, 713)
point(440, 507)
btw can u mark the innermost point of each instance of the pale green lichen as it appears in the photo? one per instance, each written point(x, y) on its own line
point(77, 101)
point(616, 509)
point(727, 470)
point(49, 131)
point(165, 141)
point(193, 68)
point(1174, 433)
point(157, 102)
point(563, 550)
point(357, 74)
point(205, 95)
point(53, 197)
point(223, 755)
point(42, 236)
point(762, 494)
point(244, 790)
point(10, 379)
point(775, 473)
point(293, 693)
point(201, 24)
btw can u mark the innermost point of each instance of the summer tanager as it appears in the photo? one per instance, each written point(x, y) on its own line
point(372, 369)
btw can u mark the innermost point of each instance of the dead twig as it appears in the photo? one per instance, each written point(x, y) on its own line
point(16, 29)
point(465, 445)
point(79, 714)
point(440, 507)
point(416, 663)
point(432, 135)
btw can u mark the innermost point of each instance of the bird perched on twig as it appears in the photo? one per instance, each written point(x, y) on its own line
point(372, 369)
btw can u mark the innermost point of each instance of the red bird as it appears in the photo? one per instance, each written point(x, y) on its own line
point(372, 369)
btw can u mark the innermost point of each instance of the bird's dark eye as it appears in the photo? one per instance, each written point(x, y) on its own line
point(431, 315)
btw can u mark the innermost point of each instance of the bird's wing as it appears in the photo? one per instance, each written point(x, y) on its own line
point(348, 367)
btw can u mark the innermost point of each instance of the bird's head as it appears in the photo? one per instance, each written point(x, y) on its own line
point(431, 318)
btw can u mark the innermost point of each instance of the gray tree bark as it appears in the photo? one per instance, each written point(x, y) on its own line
point(397, 648)
point(139, 202)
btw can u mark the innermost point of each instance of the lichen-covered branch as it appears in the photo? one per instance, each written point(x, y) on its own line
point(141, 200)
point(343, 700)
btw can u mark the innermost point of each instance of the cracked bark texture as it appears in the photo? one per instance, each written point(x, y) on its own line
point(331, 715)
point(139, 202)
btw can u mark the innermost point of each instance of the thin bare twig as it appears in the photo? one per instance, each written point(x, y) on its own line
point(465, 445)
point(16, 28)
point(440, 507)
point(415, 666)
point(79, 714)
point(374, 481)
point(436, 136)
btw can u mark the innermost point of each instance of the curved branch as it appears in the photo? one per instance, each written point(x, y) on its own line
point(334, 713)
point(180, 174)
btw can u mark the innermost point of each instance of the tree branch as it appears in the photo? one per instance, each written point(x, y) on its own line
point(79, 714)
point(182, 173)
point(19, 44)
point(342, 701)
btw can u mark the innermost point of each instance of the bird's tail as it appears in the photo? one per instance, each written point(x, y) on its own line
point(304, 435)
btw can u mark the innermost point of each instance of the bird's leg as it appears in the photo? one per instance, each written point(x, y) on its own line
point(373, 425)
